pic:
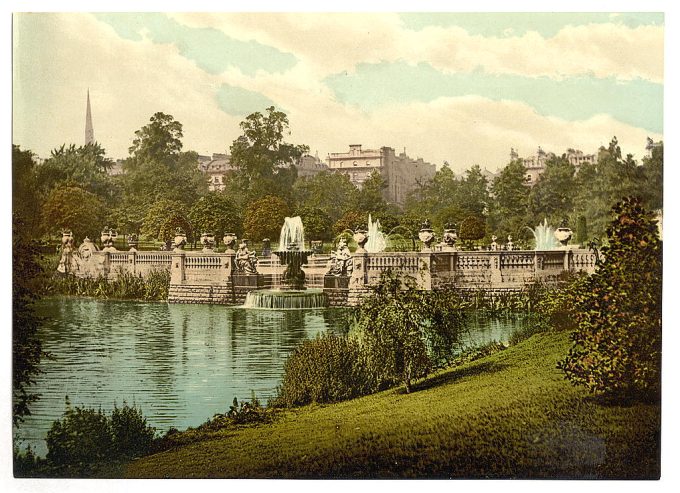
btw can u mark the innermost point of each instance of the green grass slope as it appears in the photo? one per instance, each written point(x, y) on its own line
point(509, 415)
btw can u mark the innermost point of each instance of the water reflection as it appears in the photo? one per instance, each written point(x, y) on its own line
point(181, 363)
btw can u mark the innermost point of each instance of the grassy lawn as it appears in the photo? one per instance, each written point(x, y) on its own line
point(511, 414)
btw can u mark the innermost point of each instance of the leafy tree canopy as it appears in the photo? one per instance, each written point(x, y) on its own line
point(333, 193)
point(264, 218)
point(73, 208)
point(266, 164)
point(216, 213)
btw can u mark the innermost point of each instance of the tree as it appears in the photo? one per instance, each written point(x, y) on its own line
point(473, 194)
point(552, 197)
point(73, 208)
point(157, 169)
point(26, 345)
point(264, 218)
point(157, 141)
point(617, 347)
point(156, 222)
point(266, 164)
point(472, 228)
point(350, 221)
point(370, 198)
point(406, 332)
point(216, 213)
point(25, 200)
point(510, 201)
point(84, 167)
point(603, 185)
point(333, 193)
point(652, 167)
point(316, 222)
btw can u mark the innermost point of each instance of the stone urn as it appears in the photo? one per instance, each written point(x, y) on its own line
point(107, 238)
point(180, 240)
point(449, 239)
point(229, 240)
point(361, 237)
point(208, 242)
point(133, 242)
point(426, 235)
point(563, 235)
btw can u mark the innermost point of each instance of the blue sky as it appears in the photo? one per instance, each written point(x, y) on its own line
point(460, 87)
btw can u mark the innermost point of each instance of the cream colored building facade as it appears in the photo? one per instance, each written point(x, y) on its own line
point(401, 172)
point(535, 165)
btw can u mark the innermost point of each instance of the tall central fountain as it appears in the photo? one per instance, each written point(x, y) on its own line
point(292, 292)
point(292, 253)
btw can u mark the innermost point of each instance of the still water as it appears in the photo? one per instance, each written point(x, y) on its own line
point(180, 363)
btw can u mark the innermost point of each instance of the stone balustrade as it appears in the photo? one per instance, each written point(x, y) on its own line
point(208, 277)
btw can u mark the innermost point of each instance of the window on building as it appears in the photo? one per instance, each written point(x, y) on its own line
point(355, 163)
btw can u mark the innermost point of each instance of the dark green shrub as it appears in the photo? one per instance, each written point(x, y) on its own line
point(329, 368)
point(81, 436)
point(132, 436)
point(406, 332)
point(617, 346)
point(84, 437)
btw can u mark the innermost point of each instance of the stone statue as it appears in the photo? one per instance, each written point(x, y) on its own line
point(67, 262)
point(246, 261)
point(340, 263)
point(509, 245)
point(87, 248)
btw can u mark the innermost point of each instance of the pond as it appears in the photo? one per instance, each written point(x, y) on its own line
point(181, 364)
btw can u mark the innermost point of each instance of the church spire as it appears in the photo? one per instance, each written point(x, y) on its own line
point(89, 131)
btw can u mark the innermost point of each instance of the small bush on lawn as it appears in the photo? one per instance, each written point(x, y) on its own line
point(329, 368)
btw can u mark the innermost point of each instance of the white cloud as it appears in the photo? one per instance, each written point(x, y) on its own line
point(333, 43)
point(129, 81)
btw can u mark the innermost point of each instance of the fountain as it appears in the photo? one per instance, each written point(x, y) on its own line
point(545, 237)
point(376, 239)
point(292, 293)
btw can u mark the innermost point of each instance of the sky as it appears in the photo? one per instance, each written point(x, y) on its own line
point(461, 88)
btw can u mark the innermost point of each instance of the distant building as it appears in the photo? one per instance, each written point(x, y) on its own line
point(535, 165)
point(310, 166)
point(216, 168)
point(401, 172)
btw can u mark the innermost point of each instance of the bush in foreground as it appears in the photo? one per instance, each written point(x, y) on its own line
point(330, 368)
point(617, 346)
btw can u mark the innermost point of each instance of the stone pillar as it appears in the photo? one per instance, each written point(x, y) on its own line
point(227, 268)
point(567, 258)
point(359, 276)
point(424, 280)
point(106, 264)
point(496, 274)
point(177, 275)
point(132, 261)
